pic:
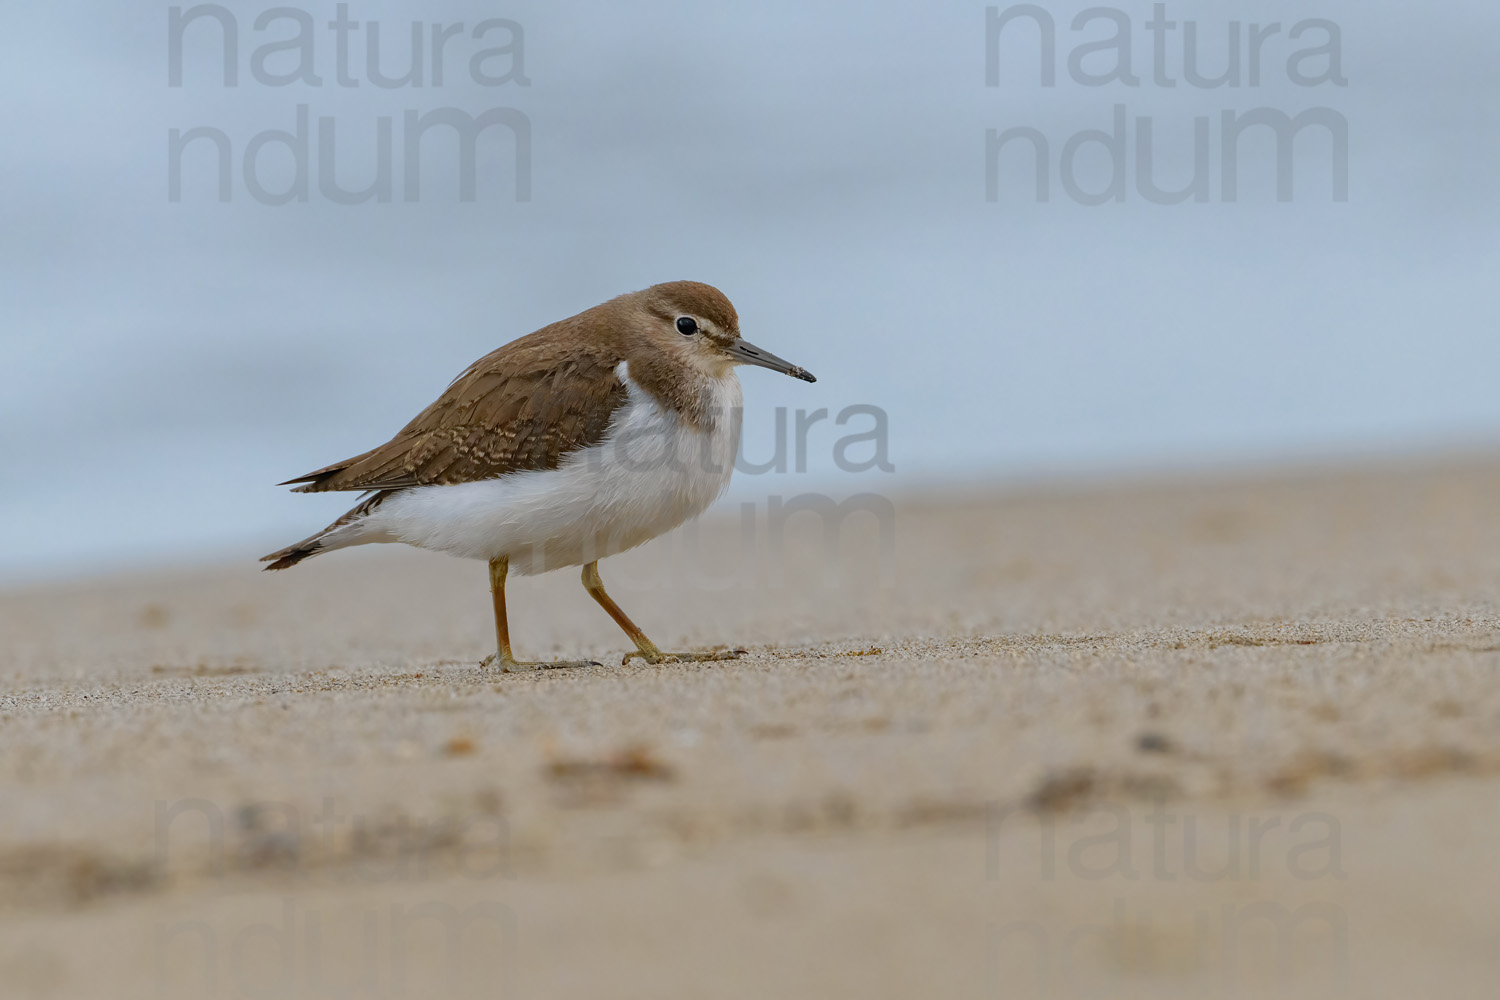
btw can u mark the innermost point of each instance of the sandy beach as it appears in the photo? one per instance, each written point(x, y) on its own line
point(1186, 738)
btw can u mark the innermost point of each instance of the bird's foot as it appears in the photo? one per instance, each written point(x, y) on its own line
point(508, 666)
point(717, 653)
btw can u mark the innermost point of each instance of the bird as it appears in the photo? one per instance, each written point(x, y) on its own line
point(576, 442)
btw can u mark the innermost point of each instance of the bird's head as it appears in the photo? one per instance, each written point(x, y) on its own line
point(697, 325)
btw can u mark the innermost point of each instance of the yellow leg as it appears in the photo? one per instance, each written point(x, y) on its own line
point(645, 648)
point(503, 659)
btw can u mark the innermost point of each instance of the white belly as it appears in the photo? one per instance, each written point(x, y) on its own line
point(651, 473)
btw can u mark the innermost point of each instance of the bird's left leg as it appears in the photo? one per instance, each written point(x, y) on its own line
point(503, 658)
point(645, 648)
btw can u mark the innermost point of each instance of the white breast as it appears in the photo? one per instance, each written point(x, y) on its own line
point(651, 473)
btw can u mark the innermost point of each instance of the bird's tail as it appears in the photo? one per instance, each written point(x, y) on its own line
point(293, 554)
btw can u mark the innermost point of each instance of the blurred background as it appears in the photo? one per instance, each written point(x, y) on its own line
point(166, 360)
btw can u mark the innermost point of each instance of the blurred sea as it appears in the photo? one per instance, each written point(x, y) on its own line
point(163, 364)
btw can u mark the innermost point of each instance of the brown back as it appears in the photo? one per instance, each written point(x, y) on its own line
point(523, 406)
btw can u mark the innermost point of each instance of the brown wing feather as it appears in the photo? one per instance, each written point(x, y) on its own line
point(521, 407)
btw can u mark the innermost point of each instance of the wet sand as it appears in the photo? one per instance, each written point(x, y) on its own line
point(1179, 739)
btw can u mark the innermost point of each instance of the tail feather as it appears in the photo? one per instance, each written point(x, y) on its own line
point(293, 554)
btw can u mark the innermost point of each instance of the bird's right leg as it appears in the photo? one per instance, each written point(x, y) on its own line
point(504, 659)
point(645, 648)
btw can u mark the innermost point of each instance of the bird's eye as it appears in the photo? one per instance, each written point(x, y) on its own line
point(687, 326)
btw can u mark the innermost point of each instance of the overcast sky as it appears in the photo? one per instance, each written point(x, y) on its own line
point(165, 363)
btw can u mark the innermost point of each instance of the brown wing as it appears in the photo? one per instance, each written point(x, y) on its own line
point(521, 407)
